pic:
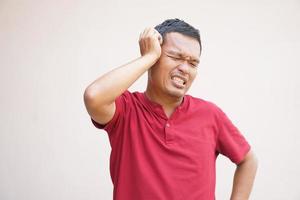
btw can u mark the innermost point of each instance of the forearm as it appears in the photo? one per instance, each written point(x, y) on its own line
point(108, 87)
point(243, 178)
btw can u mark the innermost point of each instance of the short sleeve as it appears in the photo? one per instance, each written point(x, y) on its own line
point(230, 142)
point(121, 107)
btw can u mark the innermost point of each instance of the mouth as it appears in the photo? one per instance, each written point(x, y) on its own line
point(179, 81)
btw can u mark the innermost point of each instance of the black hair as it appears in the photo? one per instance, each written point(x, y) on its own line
point(179, 26)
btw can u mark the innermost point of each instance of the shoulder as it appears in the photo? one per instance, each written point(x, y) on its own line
point(197, 102)
point(130, 99)
point(213, 110)
point(128, 96)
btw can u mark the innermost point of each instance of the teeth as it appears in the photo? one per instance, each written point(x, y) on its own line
point(178, 80)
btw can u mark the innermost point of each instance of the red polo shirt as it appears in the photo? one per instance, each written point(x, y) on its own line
point(154, 157)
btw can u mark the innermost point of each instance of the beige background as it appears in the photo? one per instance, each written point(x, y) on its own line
point(51, 50)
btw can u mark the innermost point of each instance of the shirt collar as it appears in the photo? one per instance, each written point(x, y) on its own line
point(158, 108)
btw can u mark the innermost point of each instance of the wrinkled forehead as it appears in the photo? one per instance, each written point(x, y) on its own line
point(181, 43)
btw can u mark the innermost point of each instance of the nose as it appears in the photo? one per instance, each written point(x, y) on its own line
point(183, 67)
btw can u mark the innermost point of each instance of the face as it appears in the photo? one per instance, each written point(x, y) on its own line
point(176, 69)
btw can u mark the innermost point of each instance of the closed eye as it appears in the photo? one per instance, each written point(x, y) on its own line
point(173, 57)
point(194, 64)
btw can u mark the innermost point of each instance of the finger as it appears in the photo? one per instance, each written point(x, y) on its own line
point(143, 33)
point(159, 36)
point(146, 32)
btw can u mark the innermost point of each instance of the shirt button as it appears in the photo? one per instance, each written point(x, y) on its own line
point(167, 125)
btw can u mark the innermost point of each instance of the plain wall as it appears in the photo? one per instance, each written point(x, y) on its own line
point(50, 51)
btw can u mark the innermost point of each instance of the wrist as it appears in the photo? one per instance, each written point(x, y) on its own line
point(151, 58)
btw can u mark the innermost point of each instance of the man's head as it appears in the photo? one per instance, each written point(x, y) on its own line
point(176, 69)
point(178, 26)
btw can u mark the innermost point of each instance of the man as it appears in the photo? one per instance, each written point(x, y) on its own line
point(164, 142)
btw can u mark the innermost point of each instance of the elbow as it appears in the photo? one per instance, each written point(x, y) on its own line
point(89, 98)
point(94, 98)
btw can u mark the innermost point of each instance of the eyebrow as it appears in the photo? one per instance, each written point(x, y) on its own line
point(178, 53)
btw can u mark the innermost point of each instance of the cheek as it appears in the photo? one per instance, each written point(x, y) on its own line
point(159, 74)
point(162, 69)
point(193, 74)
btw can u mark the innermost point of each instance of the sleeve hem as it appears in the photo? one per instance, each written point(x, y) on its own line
point(110, 123)
point(237, 160)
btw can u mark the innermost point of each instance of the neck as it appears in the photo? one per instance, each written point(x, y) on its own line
point(169, 103)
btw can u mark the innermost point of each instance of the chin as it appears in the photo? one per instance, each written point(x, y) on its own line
point(176, 93)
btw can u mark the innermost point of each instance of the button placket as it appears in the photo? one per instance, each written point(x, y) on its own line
point(168, 133)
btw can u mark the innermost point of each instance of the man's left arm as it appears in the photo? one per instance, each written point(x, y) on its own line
point(244, 177)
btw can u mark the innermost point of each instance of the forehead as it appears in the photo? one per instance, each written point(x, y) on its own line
point(181, 43)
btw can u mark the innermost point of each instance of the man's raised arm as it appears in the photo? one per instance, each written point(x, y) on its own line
point(100, 95)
